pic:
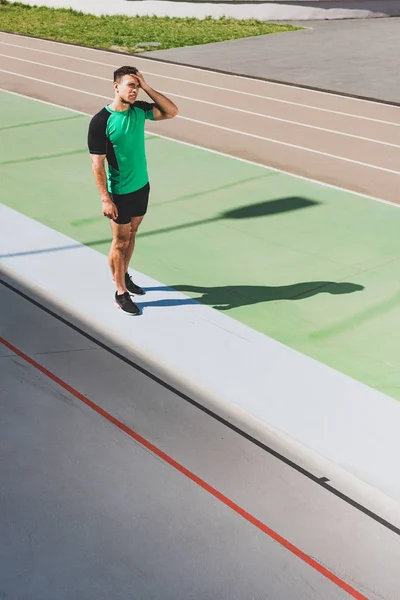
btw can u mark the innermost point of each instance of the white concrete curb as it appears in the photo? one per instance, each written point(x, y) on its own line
point(282, 10)
point(242, 371)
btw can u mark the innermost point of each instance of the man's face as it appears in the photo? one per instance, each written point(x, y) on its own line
point(127, 89)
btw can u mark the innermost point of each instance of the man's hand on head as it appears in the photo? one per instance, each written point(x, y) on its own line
point(141, 81)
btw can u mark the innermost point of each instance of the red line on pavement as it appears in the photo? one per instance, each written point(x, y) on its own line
point(211, 490)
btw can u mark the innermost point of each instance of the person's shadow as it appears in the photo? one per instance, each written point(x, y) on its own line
point(232, 296)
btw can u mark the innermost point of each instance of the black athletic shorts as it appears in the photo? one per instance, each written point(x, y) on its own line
point(131, 205)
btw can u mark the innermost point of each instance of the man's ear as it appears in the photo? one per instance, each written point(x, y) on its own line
point(116, 86)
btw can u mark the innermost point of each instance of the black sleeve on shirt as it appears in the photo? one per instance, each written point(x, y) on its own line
point(144, 105)
point(97, 138)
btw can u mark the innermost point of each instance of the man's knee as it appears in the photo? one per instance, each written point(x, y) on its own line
point(121, 244)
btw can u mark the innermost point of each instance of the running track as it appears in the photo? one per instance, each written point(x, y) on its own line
point(271, 124)
point(350, 143)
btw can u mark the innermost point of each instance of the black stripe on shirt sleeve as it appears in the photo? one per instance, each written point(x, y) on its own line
point(97, 138)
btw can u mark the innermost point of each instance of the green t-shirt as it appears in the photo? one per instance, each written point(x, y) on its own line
point(120, 136)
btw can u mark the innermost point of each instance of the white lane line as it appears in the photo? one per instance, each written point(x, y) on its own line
point(224, 89)
point(187, 67)
point(215, 104)
point(65, 87)
point(236, 131)
point(219, 153)
point(266, 139)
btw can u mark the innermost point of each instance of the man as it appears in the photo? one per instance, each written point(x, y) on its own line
point(116, 133)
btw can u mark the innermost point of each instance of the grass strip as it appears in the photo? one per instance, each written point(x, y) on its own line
point(126, 34)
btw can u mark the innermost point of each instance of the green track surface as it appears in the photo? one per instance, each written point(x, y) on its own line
point(314, 267)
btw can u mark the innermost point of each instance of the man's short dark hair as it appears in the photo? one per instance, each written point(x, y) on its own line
point(126, 70)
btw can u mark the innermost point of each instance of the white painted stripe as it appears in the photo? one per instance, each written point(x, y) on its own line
point(189, 68)
point(48, 66)
point(282, 171)
point(270, 98)
point(217, 152)
point(74, 110)
point(215, 104)
point(64, 87)
point(236, 131)
point(230, 367)
point(303, 148)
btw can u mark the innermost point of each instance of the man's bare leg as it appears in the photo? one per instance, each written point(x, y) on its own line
point(135, 222)
point(118, 252)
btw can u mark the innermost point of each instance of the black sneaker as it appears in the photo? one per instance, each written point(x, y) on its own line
point(124, 302)
point(132, 287)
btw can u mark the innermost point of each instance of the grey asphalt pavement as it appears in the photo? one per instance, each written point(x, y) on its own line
point(355, 57)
